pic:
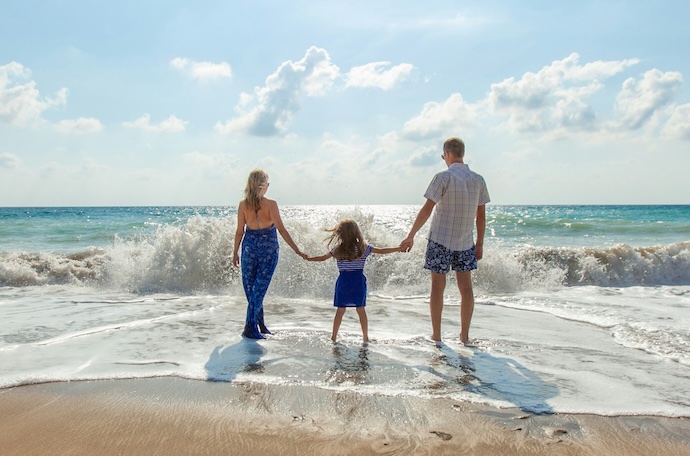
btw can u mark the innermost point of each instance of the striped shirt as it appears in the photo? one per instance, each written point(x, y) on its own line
point(457, 193)
point(354, 265)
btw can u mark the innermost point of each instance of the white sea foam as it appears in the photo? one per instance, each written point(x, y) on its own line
point(539, 361)
point(195, 257)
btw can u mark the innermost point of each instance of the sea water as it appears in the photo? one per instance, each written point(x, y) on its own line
point(579, 309)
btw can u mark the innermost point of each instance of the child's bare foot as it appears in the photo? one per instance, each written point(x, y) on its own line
point(437, 343)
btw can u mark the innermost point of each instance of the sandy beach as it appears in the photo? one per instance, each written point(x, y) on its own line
point(176, 416)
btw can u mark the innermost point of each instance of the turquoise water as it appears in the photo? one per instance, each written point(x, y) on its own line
point(590, 226)
point(71, 229)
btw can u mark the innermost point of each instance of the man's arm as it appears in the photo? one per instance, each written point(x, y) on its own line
point(422, 217)
point(481, 227)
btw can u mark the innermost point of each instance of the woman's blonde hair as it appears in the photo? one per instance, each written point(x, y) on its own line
point(256, 181)
point(347, 239)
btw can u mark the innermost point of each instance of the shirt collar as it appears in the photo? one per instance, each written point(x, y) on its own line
point(458, 165)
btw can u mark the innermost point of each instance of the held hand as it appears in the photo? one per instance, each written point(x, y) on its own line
point(406, 244)
point(303, 255)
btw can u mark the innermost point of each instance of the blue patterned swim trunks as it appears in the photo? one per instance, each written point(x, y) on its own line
point(439, 259)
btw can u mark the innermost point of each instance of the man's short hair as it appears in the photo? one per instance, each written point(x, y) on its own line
point(455, 147)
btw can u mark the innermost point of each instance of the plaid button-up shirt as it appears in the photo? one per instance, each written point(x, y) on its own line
point(457, 193)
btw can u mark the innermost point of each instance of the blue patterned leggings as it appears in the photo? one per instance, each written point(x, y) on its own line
point(259, 261)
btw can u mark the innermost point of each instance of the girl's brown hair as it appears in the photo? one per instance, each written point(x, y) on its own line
point(256, 181)
point(347, 239)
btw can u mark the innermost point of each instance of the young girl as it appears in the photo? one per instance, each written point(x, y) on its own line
point(347, 245)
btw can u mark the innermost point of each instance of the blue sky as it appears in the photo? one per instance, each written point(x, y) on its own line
point(173, 103)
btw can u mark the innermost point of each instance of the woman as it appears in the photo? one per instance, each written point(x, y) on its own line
point(258, 219)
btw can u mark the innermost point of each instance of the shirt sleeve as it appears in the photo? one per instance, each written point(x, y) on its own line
point(437, 187)
point(484, 195)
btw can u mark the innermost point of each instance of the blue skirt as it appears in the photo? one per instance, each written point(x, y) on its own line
point(351, 289)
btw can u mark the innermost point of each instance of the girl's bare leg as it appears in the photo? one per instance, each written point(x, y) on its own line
point(364, 322)
point(336, 322)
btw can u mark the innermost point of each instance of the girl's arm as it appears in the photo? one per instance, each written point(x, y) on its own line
point(320, 258)
point(387, 250)
point(278, 222)
point(239, 233)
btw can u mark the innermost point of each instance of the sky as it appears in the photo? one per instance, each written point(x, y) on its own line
point(174, 102)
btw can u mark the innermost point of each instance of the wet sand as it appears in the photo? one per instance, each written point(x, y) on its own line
point(175, 416)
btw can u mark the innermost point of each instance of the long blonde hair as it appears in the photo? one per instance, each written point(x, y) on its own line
point(347, 239)
point(256, 181)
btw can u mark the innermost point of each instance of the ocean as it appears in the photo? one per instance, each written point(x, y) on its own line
point(579, 309)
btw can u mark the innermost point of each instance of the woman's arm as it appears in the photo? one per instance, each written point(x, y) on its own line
point(239, 234)
point(278, 222)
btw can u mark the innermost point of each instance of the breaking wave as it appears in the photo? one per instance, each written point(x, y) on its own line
point(196, 257)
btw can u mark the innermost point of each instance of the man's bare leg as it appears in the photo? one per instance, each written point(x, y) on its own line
point(438, 287)
point(464, 280)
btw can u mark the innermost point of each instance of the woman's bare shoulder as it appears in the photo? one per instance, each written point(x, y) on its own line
point(269, 203)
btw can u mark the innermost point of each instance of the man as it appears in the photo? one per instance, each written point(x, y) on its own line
point(459, 196)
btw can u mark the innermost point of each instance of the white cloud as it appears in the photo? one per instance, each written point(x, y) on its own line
point(678, 124)
point(279, 99)
point(170, 125)
point(53, 169)
point(555, 96)
point(9, 161)
point(21, 103)
point(80, 126)
point(639, 100)
point(425, 157)
point(211, 166)
point(375, 75)
point(437, 118)
point(202, 71)
point(90, 167)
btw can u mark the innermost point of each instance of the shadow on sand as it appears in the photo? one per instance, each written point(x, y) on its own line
point(223, 365)
point(496, 378)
